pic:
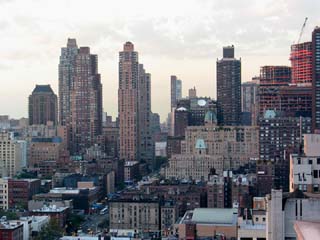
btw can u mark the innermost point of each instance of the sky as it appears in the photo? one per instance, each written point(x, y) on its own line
point(173, 37)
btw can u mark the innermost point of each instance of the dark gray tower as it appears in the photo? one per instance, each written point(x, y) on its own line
point(316, 79)
point(229, 88)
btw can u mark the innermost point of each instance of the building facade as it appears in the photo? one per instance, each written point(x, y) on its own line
point(316, 78)
point(229, 88)
point(283, 209)
point(11, 155)
point(129, 217)
point(43, 106)
point(66, 77)
point(212, 147)
point(250, 100)
point(176, 91)
point(305, 167)
point(134, 101)
point(44, 149)
point(271, 79)
point(86, 122)
point(301, 63)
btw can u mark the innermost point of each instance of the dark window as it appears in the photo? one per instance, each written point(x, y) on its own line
point(318, 160)
point(315, 173)
point(310, 161)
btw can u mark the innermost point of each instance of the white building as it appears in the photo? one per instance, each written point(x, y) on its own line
point(4, 199)
point(305, 168)
point(32, 224)
point(284, 209)
point(161, 149)
point(12, 155)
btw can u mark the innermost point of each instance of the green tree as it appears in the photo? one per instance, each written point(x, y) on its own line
point(50, 232)
point(8, 214)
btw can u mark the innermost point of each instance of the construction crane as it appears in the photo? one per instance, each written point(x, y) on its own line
point(301, 32)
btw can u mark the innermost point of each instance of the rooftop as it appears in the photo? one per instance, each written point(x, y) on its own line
point(10, 225)
point(215, 216)
point(51, 208)
point(130, 163)
point(43, 89)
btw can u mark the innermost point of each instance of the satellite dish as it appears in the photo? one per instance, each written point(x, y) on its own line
point(202, 102)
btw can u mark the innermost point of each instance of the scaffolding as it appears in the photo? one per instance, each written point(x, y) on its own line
point(301, 63)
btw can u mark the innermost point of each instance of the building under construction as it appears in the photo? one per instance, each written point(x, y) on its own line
point(301, 63)
point(271, 79)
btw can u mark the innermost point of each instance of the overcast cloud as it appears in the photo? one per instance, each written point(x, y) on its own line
point(181, 37)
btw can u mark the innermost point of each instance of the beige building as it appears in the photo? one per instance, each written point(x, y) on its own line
point(252, 223)
point(44, 149)
point(12, 155)
point(130, 217)
point(4, 191)
point(210, 146)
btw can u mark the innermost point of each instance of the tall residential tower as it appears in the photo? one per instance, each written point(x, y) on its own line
point(80, 96)
point(134, 101)
point(229, 88)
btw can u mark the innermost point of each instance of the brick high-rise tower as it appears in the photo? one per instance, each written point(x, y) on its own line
point(66, 78)
point(85, 102)
point(134, 100)
point(80, 96)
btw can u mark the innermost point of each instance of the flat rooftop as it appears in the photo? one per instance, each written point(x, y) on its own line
point(51, 208)
point(214, 216)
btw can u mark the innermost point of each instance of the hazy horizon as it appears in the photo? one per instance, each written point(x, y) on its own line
point(182, 38)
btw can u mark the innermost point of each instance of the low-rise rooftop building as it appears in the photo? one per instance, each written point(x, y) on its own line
point(208, 222)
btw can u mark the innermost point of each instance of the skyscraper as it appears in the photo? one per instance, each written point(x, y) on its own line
point(316, 79)
point(134, 103)
point(66, 78)
point(176, 90)
point(85, 102)
point(43, 106)
point(80, 96)
point(229, 88)
point(250, 101)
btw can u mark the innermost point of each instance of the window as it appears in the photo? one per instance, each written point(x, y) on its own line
point(310, 161)
point(318, 160)
point(315, 174)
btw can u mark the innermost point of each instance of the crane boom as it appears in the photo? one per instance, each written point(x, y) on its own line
point(301, 32)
